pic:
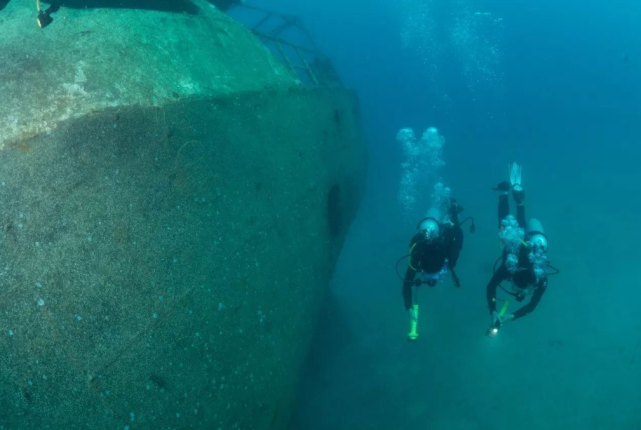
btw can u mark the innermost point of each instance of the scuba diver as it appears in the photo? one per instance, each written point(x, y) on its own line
point(434, 250)
point(524, 261)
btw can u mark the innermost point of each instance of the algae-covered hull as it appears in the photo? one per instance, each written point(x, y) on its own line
point(162, 262)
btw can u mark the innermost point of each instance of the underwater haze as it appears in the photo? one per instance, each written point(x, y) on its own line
point(197, 232)
point(551, 85)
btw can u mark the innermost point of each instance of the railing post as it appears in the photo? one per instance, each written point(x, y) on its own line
point(309, 69)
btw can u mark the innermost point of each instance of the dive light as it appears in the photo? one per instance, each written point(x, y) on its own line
point(493, 330)
point(413, 334)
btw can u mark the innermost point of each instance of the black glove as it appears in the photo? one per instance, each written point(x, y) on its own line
point(455, 208)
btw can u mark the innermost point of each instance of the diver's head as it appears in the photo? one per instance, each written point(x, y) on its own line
point(536, 235)
point(429, 227)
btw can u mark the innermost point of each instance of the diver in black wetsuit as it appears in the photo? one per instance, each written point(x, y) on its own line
point(434, 250)
point(524, 259)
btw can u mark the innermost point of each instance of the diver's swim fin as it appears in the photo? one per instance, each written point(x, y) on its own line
point(515, 174)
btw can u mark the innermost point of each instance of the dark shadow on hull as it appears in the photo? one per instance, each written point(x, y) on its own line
point(332, 335)
point(175, 6)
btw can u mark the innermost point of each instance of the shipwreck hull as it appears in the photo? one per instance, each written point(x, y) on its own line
point(163, 261)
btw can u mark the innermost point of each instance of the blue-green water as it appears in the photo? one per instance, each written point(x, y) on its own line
point(161, 269)
point(553, 85)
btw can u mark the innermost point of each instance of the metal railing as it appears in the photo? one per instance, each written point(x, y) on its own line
point(308, 63)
